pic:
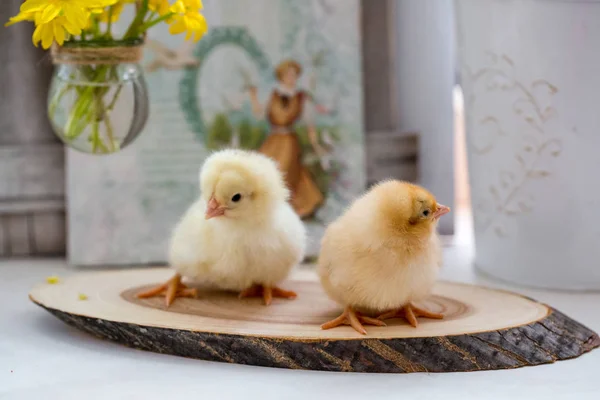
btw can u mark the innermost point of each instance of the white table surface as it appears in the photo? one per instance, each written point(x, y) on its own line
point(42, 358)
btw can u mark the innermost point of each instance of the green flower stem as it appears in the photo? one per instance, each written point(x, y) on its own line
point(109, 132)
point(97, 145)
point(96, 112)
point(111, 105)
point(150, 15)
point(57, 98)
point(133, 30)
point(95, 26)
point(102, 116)
point(91, 109)
point(78, 119)
point(109, 23)
point(95, 135)
point(150, 24)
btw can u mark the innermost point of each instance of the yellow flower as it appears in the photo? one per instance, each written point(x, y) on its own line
point(75, 11)
point(54, 31)
point(56, 19)
point(195, 5)
point(20, 17)
point(190, 5)
point(187, 18)
point(161, 7)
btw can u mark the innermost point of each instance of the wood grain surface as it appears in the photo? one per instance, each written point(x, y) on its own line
point(484, 329)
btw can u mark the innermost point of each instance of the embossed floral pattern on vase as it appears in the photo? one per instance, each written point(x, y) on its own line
point(532, 135)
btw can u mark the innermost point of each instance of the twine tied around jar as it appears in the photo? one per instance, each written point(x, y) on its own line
point(119, 53)
point(97, 55)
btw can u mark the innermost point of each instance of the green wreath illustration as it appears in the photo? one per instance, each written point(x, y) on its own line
point(189, 101)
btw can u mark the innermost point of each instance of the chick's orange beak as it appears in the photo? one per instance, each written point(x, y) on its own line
point(441, 210)
point(214, 209)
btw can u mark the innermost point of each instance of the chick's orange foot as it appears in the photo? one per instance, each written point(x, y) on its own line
point(267, 293)
point(354, 319)
point(410, 313)
point(172, 289)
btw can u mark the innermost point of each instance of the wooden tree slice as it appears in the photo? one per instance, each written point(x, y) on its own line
point(483, 329)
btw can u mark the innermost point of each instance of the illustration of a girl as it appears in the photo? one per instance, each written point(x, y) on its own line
point(283, 110)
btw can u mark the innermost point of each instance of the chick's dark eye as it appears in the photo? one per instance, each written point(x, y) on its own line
point(426, 213)
point(236, 197)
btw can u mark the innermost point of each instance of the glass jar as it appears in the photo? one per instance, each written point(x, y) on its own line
point(98, 108)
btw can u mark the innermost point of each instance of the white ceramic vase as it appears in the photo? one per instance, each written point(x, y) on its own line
point(531, 80)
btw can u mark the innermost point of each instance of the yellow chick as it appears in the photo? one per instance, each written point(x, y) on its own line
point(382, 254)
point(240, 235)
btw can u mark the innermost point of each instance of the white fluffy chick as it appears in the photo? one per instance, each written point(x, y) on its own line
point(241, 234)
point(383, 254)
